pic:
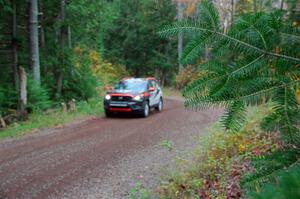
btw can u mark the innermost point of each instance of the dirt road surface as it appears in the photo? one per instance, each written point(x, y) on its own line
point(98, 158)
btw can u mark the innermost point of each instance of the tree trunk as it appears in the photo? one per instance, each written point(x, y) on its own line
point(254, 6)
point(163, 78)
point(232, 11)
point(180, 10)
point(34, 40)
point(2, 122)
point(14, 43)
point(59, 83)
point(43, 42)
point(62, 47)
point(62, 19)
point(281, 4)
point(69, 37)
point(42, 30)
point(23, 89)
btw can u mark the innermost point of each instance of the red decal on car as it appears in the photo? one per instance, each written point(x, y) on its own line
point(120, 94)
point(121, 109)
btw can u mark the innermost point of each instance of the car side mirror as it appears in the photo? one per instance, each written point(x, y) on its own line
point(151, 89)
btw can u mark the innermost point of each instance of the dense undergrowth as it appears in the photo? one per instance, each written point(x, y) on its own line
point(84, 86)
point(221, 161)
point(54, 118)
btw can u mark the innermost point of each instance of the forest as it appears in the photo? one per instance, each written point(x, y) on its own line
point(55, 51)
point(233, 54)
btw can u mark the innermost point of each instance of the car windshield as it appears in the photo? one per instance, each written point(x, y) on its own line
point(132, 85)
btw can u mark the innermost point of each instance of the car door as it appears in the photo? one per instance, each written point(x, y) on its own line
point(151, 98)
point(154, 95)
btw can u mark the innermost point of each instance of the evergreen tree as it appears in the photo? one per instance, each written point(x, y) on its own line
point(256, 61)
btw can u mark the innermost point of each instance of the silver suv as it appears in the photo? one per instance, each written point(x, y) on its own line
point(134, 95)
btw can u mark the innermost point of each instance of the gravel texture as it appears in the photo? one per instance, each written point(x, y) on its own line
point(101, 157)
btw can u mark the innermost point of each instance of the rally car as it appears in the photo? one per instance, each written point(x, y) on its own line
point(134, 95)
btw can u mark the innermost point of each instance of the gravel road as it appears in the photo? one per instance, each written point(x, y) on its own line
point(98, 158)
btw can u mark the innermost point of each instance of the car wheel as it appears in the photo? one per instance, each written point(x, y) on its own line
point(160, 105)
point(108, 114)
point(146, 110)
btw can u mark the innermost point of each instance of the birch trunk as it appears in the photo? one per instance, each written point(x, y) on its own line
point(23, 89)
point(2, 122)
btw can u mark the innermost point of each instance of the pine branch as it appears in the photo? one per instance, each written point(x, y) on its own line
point(188, 28)
point(232, 74)
point(287, 35)
point(234, 117)
point(259, 33)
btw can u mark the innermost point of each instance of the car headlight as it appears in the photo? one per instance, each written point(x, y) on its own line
point(137, 98)
point(107, 97)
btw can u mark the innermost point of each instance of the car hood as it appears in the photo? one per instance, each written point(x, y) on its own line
point(129, 92)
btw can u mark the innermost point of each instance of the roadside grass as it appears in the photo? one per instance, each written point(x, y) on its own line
point(139, 192)
point(39, 120)
point(171, 91)
point(219, 161)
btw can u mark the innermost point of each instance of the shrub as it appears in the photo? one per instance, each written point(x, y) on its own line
point(37, 96)
point(79, 82)
point(107, 72)
point(8, 98)
point(186, 76)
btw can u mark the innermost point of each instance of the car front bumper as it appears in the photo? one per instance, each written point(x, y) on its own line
point(123, 106)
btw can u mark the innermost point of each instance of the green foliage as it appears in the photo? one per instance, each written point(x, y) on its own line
point(247, 67)
point(268, 168)
point(220, 160)
point(5, 5)
point(96, 17)
point(91, 26)
point(234, 117)
point(288, 186)
point(138, 192)
point(186, 76)
point(256, 61)
point(81, 84)
point(53, 118)
point(168, 144)
point(8, 98)
point(132, 39)
point(38, 97)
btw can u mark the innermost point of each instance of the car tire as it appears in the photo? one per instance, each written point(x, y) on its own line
point(108, 114)
point(160, 105)
point(146, 110)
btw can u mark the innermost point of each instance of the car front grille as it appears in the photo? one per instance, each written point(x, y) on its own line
point(121, 98)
